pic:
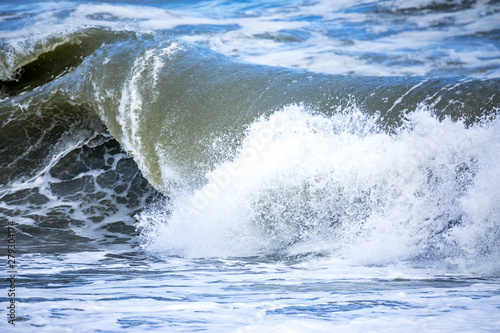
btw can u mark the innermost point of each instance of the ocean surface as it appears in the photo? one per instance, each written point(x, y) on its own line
point(250, 166)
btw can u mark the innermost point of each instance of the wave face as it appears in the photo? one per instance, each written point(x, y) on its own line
point(244, 159)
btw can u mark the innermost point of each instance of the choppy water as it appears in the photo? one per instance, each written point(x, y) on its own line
point(251, 166)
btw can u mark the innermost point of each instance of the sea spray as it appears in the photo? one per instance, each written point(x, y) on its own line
point(302, 182)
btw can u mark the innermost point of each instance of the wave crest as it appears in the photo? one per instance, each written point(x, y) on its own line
point(303, 182)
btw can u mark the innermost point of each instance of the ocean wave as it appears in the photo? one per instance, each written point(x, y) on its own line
point(186, 113)
point(252, 166)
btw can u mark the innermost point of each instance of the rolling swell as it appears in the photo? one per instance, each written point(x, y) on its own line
point(187, 115)
point(165, 100)
point(27, 64)
point(174, 95)
point(37, 107)
point(64, 178)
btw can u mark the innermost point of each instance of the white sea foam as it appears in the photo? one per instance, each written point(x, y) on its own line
point(180, 295)
point(303, 182)
point(342, 38)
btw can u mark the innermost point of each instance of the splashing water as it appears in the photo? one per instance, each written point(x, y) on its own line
point(303, 183)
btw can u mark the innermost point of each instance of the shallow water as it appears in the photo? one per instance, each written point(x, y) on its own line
point(113, 291)
point(230, 166)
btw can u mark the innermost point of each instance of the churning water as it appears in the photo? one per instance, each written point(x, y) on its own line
point(248, 166)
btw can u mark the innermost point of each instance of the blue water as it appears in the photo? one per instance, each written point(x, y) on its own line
point(306, 220)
